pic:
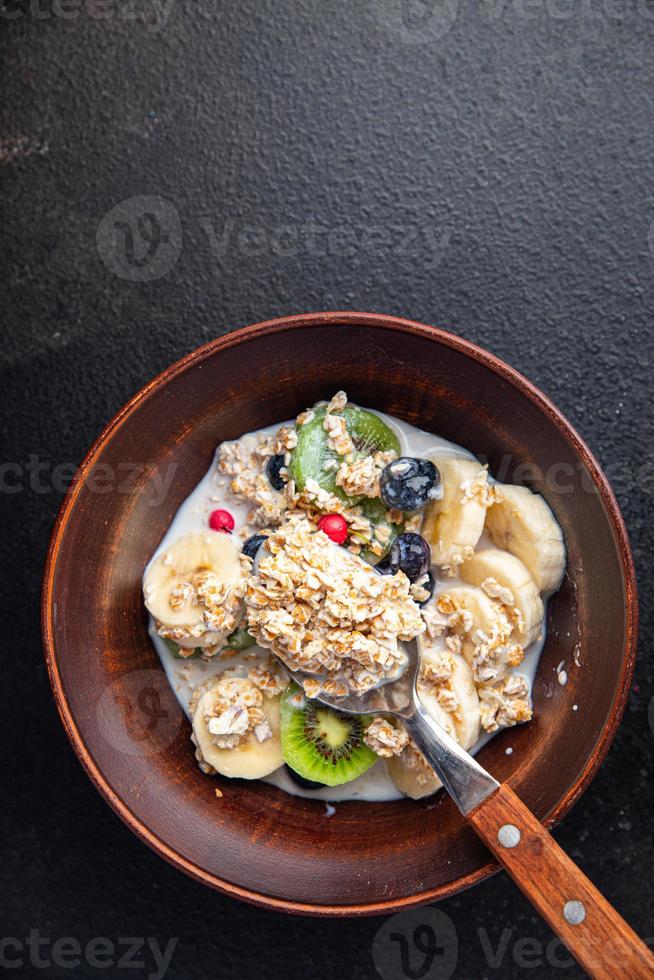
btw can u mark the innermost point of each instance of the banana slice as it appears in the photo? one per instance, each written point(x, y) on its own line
point(453, 524)
point(193, 589)
point(251, 758)
point(456, 693)
point(504, 577)
point(523, 524)
point(485, 631)
point(409, 771)
point(467, 715)
point(412, 775)
point(471, 611)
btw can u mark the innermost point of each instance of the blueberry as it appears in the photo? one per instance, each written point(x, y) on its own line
point(411, 554)
point(429, 585)
point(275, 464)
point(301, 781)
point(409, 484)
point(252, 545)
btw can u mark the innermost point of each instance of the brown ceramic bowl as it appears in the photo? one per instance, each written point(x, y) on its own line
point(255, 842)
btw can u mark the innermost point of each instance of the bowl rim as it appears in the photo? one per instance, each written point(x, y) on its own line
point(270, 327)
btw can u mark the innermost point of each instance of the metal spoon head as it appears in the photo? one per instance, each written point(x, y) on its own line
point(394, 697)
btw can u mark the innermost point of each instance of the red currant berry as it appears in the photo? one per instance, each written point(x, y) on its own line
point(221, 520)
point(334, 526)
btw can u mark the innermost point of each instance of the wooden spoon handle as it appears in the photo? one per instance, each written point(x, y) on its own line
point(602, 942)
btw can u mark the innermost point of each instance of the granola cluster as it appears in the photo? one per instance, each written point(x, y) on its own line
point(505, 704)
point(479, 489)
point(327, 613)
point(360, 477)
point(493, 589)
point(505, 597)
point(268, 676)
point(419, 589)
point(436, 673)
point(338, 438)
point(385, 737)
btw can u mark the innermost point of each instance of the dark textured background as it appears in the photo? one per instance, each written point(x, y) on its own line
point(483, 166)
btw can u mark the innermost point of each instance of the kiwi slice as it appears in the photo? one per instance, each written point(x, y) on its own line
point(240, 639)
point(322, 744)
point(300, 780)
point(368, 433)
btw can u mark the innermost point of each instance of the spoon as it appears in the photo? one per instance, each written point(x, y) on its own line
point(596, 935)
